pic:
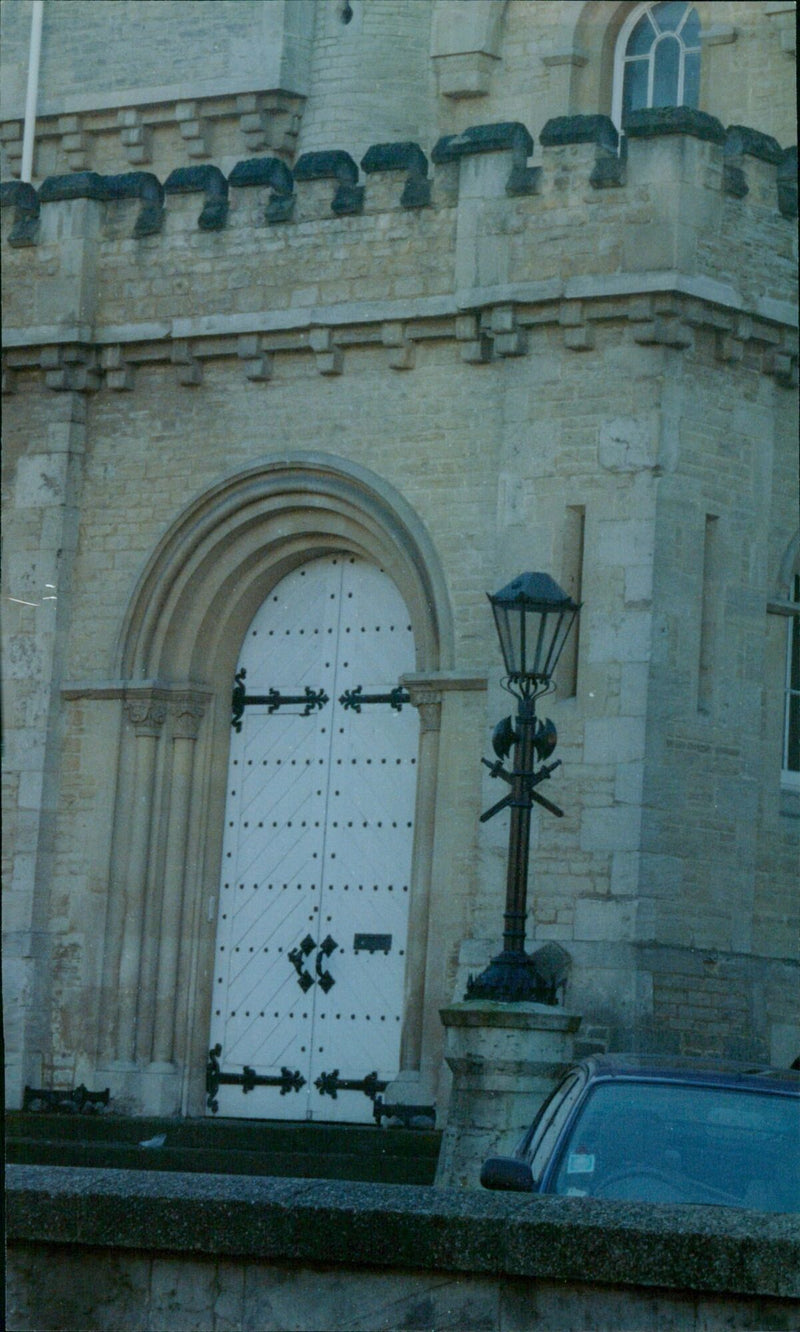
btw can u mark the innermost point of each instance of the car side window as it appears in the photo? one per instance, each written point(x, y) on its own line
point(538, 1147)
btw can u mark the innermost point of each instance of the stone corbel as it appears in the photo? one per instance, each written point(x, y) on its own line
point(11, 139)
point(136, 137)
point(256, 362)
point(578, 332)
point(74, 142)
point(119, 373)
point(190, 371)
point(70, 369)
point(781, 363)
point(328, 356)
point(509, 339)
point(400, 348)
point(475, 343)
point(194, 129)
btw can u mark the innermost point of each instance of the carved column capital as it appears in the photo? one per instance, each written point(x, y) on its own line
point(428, 703)
point(146, 714)
point(187, 713)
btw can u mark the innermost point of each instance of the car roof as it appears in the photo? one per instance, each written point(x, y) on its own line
point(706, 1070)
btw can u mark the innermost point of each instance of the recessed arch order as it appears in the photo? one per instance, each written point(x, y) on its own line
point(219, 559)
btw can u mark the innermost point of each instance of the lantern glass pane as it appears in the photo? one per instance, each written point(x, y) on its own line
point(507, 623)
point(565, 621)
point(539, 633)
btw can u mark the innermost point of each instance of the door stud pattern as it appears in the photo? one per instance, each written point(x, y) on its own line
point(313, 907)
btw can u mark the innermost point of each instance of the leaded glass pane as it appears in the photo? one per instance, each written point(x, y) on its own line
point(634, 87)
point(665, 72)
point(691, 79)
point(667, 16)
point(690, 32)
point(642, 37)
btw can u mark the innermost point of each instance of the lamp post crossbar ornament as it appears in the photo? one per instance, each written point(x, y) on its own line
point(533, 617)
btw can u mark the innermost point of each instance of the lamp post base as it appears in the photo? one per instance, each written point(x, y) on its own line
point(505, 1059)
point(514, 977)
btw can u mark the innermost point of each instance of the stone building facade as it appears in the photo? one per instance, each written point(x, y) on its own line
point(349, 288)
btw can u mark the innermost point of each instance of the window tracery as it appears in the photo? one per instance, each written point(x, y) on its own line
point(657, 58)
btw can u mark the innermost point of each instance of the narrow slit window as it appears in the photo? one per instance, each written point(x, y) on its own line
point(708, 615)
point(791, 713)
point(572, 583)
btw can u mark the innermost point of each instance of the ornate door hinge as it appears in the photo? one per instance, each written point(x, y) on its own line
point(328, 1084)
point(273, 700)
point(247, 1079)
point(356, 698)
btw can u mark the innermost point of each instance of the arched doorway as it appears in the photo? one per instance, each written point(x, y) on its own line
point(316, 865)
point(180, 648)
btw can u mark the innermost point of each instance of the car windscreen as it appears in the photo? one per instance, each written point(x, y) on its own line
point(668, 1142)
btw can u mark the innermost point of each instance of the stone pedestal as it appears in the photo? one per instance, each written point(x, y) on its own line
point(505, 1059)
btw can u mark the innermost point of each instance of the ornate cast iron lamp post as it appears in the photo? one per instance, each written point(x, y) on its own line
point(533, 617)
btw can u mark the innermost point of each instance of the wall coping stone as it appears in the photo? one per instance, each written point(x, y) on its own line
point(600, 130)
point(724, 1250)
point(506, 135)
point(658, 120)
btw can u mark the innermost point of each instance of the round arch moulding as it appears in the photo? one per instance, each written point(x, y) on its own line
point(218, 561)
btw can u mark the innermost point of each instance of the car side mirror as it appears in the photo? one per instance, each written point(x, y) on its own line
point(507, 1173)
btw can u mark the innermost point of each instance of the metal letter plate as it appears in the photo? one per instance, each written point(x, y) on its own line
point(372, 943)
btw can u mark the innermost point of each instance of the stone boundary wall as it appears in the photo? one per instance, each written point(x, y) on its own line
point(140, 1250)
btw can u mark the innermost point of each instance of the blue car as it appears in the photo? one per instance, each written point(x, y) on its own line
point(653, 1129)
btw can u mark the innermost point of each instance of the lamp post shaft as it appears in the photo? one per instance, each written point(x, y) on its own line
point(519, 831)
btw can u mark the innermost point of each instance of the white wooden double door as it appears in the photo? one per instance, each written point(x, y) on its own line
point(313, 904)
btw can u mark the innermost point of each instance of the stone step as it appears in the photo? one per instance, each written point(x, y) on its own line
point(249, 1147)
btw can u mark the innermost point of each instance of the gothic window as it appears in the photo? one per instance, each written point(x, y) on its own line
point(657, 58)
point(791, 715)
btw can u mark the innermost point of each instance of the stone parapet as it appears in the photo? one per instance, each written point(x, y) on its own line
point(138, 1249)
